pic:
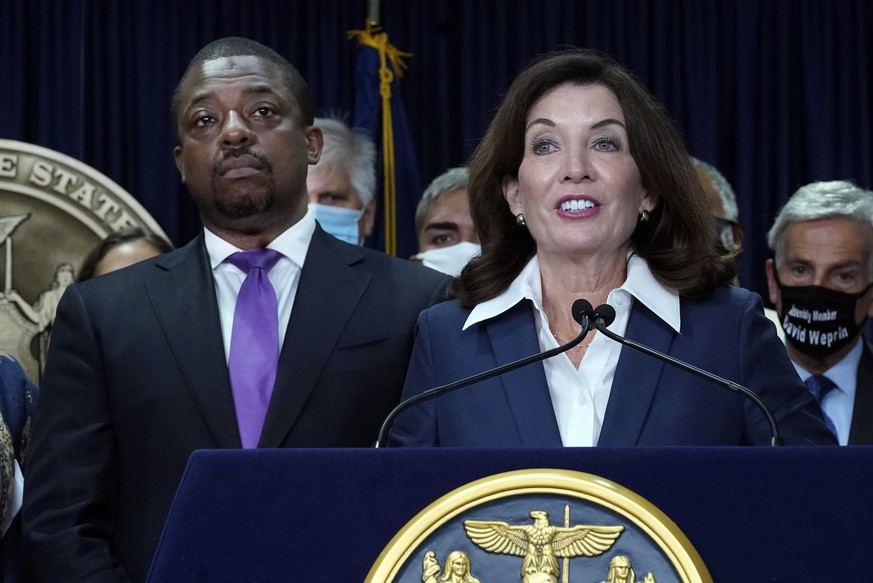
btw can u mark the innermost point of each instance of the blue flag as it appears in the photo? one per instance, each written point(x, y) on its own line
point(379, 111)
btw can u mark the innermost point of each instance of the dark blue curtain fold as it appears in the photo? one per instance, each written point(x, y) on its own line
point(775, 93)
point(40, 74)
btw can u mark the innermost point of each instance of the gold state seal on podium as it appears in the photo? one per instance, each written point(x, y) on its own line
point(540, 526)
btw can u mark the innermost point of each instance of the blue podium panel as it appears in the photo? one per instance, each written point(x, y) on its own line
point(753, 514)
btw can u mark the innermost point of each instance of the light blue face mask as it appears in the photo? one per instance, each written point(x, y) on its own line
point(339, 221)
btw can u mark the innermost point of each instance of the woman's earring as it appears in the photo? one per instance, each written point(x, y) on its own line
point(644, 216)
point(519, 220)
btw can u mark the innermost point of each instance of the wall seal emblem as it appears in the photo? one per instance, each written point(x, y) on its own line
point(53, 210)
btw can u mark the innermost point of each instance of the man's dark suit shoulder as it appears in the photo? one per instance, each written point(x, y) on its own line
point(861, 432)
point(411, 280)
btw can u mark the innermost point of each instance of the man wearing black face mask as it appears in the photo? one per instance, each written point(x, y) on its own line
point(821, 280)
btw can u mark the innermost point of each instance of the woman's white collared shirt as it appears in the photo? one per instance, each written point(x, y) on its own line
point(580, 396)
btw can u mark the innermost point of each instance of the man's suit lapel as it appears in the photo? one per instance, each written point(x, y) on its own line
point(183, 297)
point(861, 432)
point(636, 377)
point(327, 296)
point(513, 336)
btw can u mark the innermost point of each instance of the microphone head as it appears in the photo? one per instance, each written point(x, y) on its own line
point(582, 307)
point(604, 312)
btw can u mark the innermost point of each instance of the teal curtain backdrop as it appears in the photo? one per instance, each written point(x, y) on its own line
point(775, 93)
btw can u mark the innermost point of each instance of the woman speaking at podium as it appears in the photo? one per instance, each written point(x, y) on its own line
point(582, 188)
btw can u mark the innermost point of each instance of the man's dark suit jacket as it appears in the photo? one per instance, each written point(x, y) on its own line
point(651, 403)
point(861, 432)
point(136, 379)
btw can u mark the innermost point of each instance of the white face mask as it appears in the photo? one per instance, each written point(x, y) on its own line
point(339, 221)
point(450, 260)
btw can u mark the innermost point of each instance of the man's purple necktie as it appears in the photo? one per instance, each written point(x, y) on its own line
point(254, 343)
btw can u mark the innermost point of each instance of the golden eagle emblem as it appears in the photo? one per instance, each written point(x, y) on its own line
point(541, 543)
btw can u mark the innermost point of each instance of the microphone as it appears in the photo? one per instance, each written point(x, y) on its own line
point(604, 315)
point(582, 313)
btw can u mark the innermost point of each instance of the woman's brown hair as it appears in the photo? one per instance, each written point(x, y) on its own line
point(677, 241)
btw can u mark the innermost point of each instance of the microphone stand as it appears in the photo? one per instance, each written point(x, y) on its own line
point(598, 322)
point(583, 319)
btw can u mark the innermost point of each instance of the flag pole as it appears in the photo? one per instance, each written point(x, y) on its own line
point(373, 12)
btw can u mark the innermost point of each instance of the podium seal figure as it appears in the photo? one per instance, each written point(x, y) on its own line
point(457, 569)
point(53, 211)
point(621, 571)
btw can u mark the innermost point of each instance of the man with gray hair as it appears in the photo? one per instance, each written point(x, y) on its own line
point(724, 204)
point(447, 237)
point(726, 213)
point(342, 185)
point(820, 280)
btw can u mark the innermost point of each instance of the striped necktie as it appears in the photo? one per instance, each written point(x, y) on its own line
point(820, 386)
